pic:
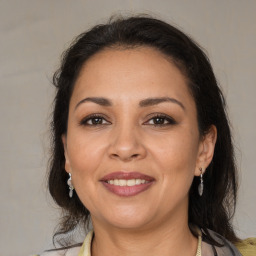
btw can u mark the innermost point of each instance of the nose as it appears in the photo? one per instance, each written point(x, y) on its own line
point(126, 145)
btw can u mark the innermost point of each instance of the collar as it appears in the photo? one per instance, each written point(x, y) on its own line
point(202, 249)
point(86, 247)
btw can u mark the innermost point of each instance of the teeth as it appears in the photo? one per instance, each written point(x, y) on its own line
point(129, 183)
point(122, 182)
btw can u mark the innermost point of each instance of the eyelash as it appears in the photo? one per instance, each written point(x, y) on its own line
point(170, 120)
point(162, 117)
point(84, 122)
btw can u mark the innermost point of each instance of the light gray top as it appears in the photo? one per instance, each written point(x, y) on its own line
point(207, 249)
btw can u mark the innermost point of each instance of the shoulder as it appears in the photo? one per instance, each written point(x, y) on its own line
point(80, 249)
point(247, 247)
point(63, 252)
point(227, 247)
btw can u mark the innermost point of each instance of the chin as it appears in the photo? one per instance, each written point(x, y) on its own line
point(129, 223)
point(127, 219)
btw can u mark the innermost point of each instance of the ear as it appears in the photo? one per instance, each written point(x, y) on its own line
point(206, 150)
point(67, 163)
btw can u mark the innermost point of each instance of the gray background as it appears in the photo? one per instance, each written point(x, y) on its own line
point(33, 35)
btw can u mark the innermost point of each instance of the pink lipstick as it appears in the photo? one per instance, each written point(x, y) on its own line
point(127, 183)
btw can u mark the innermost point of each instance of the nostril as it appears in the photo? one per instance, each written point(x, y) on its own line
point(127, 157)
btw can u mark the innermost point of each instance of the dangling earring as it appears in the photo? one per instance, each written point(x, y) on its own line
point(70, 185)
point(201, 185)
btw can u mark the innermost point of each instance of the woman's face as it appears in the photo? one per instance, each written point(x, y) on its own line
point(132, 144)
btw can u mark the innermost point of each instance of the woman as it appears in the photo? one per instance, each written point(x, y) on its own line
point(142, 145)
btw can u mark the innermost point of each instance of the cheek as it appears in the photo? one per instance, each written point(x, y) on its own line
point(175, 158)
point(85, 158)
point(178, 149)
point(85, 155)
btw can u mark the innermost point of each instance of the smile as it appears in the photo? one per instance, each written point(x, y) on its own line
point(127, 184)
point(132, 182)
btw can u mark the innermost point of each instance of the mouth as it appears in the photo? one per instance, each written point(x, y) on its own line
point(127, 184)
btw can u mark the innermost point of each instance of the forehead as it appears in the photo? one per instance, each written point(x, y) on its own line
point(139, 72)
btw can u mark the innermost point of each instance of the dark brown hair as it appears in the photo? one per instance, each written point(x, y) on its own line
point(215, 208)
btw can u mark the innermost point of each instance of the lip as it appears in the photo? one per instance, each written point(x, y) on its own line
point(127, 191)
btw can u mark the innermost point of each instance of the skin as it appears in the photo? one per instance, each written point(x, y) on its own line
point(127, 137)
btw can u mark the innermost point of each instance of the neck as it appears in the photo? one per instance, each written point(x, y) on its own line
point(165, 239)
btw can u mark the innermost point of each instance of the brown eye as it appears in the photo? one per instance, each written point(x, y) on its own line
point(161, 120)
point(94, 121)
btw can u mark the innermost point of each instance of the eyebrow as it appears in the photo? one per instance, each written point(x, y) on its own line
point(98, 100)
point(155, 101)
point(143, 103)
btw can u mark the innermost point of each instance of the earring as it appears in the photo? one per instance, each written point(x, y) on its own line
point(201, 185)
point(70, 185)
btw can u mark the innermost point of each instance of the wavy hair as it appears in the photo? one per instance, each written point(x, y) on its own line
point(215, 209)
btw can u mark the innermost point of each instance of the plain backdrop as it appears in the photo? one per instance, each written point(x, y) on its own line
point(33, 35)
